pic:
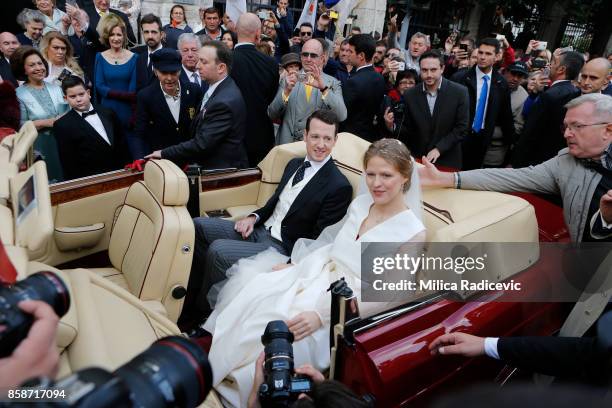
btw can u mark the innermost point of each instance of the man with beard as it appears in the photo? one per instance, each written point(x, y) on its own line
point(166, 107)
point(379, 56)
point(152, 33)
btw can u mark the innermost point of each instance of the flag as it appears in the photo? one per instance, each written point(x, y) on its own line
point(234, 8)
point(331, 3)
point(309, 14)
point(344, 8)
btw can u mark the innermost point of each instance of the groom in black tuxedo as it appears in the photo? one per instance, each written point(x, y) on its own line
point(312, 194)
point(89, 138)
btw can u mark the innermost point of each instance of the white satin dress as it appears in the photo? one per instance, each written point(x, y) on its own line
point(255, 295)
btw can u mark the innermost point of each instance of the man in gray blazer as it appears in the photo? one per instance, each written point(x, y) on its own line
point(581, 173)
point(301, 93)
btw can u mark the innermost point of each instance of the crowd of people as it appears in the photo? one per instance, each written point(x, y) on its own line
point(470, 104)
point(222, 94)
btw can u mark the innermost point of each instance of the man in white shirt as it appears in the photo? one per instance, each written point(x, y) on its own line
point(89, 138)
point(312, 194)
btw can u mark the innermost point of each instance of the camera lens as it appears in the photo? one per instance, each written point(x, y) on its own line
point(173, 372)
point(44, 286)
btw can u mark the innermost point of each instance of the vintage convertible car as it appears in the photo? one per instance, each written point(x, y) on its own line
point(123, 242)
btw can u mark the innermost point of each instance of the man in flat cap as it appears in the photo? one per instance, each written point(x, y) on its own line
point(166, 108)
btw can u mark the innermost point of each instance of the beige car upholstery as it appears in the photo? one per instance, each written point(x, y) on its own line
point(16, 148)
point(34, 229)
point(151, 244)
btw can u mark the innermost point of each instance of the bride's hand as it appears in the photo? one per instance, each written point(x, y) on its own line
point(282, 266)
point(304, 324)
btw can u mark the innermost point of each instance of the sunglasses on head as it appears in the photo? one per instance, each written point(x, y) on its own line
point(305, 33)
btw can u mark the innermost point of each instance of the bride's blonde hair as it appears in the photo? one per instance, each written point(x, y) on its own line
point(394, 152)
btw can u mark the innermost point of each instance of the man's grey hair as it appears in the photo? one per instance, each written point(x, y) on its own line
point(188, 37)
point(27, 16)
point(421, 35)
point(602, 103)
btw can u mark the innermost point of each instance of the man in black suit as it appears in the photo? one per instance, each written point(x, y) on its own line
point(8, 45)
point(165, 109)
point(436, 115)
point(542, 136)
point(584, 359)
point(256, 74)
point(489, 104)
point(364, 91)
point(220, 126)
point(89, 140)
point(152, 34)
point(312, 194)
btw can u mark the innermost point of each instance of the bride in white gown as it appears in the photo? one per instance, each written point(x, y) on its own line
point(265, 287)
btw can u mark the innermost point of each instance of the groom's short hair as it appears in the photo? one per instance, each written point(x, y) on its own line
point(326, 116)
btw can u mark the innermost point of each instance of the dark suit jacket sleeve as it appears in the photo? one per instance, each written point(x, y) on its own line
point(266, 211)
point(349, 93)
point(570, 357)
point(334, 207)
point(121, 147)
point(67, 149)
point(142, 118)
point(460, 120)
point(534, 128)
point(213, 128)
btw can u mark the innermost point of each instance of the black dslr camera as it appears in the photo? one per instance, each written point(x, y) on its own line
point(44, 286)
point(173, 372)
point(281, 385)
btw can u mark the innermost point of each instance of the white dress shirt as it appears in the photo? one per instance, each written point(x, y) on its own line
point(365, 66)
point(96, 123)
point(288, 196)
point(149, 52)
point(479, 82)
point(490, 346)
point(174, 103)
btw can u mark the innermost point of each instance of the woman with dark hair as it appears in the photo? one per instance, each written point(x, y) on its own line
point(115, 76)
point(40, 102)
point(230, 39)
point(178, 25)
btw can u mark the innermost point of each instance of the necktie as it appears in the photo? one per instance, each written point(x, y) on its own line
point(299, 174)
point(150, 65)
point(90, 113)
point(205, 99)
point(195, 77)
point(482, 102)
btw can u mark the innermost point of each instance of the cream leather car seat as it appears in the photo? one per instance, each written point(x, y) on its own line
point(151, 243)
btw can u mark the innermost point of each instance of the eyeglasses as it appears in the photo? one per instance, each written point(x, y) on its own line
point(309, 55)
point(577, 127)
point(305, 33)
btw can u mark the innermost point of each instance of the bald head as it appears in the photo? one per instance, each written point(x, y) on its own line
point(8, 44)
point(594, 76)
point(248, 28)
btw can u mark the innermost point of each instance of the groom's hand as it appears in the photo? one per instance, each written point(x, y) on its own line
point(304, 324)
point(245, 226)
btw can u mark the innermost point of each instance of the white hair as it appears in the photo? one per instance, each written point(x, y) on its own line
point(423, 36)
point(27, 16)
point(601, 102)
point(188, 37)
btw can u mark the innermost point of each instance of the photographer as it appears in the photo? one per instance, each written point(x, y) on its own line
point(324, 393)
point(37, 354)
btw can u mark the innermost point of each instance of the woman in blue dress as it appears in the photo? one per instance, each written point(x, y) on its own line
point(178, 25)
point(40, 102)
point(115, 77)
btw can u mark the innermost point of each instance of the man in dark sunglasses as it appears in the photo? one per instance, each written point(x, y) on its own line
point(304, 34)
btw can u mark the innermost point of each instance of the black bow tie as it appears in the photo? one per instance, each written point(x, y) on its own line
point(90, 113)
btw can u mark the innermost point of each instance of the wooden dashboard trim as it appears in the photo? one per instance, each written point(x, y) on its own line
point(230, 179)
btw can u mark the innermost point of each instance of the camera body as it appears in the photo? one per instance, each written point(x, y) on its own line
point(538, 63)
point(263, 14)
point(281, 385)
point(44, 286)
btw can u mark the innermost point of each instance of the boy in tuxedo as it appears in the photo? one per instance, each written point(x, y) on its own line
point(89, 139)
